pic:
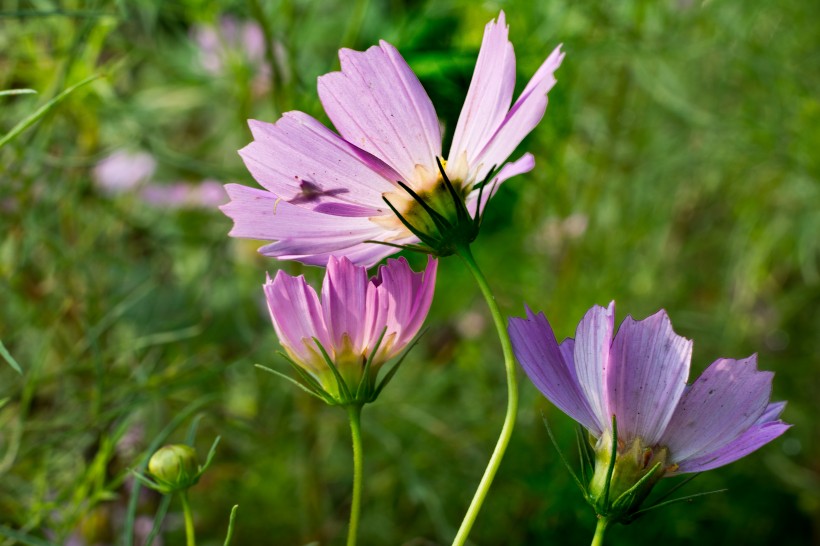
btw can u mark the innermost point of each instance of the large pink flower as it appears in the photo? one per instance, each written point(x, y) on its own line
point(639, 376)
point(629, 390)
point(324, 194)
point(357, 319)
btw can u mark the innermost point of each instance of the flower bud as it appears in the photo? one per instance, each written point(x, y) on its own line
point(174, 467)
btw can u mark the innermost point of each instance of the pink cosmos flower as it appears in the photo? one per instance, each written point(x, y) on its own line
point(664, 426)
point(339, 343)
point(327, 194)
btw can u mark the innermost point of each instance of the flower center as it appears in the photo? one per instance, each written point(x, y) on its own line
point(433, 190)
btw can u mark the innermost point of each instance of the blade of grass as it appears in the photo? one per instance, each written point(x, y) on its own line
point(10, 359)
point(43, 110)
point(24, 538)
point(17, 92)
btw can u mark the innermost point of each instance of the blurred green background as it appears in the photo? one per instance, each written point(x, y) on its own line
point(677, 168)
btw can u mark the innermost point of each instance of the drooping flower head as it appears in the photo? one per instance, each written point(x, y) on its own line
point(637, 379)
point(383, 177)
point(339, 342)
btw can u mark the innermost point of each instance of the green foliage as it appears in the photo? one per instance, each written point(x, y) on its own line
point(677, 167)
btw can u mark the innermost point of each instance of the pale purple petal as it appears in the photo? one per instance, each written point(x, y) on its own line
point(378, 104)
point(649, 365)
point(522, 165)
point(344, 299)
point(409, 295)
point(754, 438)
point(296, 315)
point(726, 400)
point(375, 320)
point(593, 340)
point(544, 362)
point(490, 94)
point(306, 164)
point(258, 214)
point(360, 253)
point(771, 412)
point(522, 118)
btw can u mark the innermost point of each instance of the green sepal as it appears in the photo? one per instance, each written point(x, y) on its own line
point(344, 392)
point(564, 459)
point(640, 513)
point(364, 383)
point(611, 468)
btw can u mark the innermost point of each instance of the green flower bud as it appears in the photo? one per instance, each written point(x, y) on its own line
point(174, 467)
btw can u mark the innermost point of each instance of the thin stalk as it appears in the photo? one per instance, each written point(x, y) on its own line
point(512, 399)
point(190, 538)
point(598, 539)
point(354, 412)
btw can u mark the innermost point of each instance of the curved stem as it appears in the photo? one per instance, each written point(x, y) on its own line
point(354, 412)
point(512, 400)
point(190, 538)
point(598, 539)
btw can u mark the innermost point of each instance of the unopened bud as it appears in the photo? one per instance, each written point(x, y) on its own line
point(174, 467)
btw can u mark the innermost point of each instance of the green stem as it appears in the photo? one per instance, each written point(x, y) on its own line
point(598, 539)
point(354, 412)
point(190, 538)
point(512, 400)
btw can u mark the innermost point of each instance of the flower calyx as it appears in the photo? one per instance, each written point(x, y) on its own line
point(440, 217)
point(353, 380)
point(623, 476)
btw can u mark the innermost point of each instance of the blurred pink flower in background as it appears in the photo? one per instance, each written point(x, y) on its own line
point(125, 172)
point(234, 42)
point(122, 171)
point(206, 194)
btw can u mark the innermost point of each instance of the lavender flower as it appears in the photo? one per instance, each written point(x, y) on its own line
point(378, 180)
point(338, 344)
point(664, 427)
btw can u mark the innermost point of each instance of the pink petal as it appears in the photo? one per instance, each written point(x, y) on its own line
point(522, 118)
point(306, 164)
point(360, 253)
point(647, 376)
point(378, 104)
point(490, 94)
point(522, 165)
point(548, 368)
point(593, 340)
point(754, 438)
point(296, 315)
point(258, 214)
point(344, 302)
point(409, 294)
point(724, 402)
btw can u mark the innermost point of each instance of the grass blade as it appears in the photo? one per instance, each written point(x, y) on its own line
point(10, 359)
point(8, 92)
point(43, 110)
